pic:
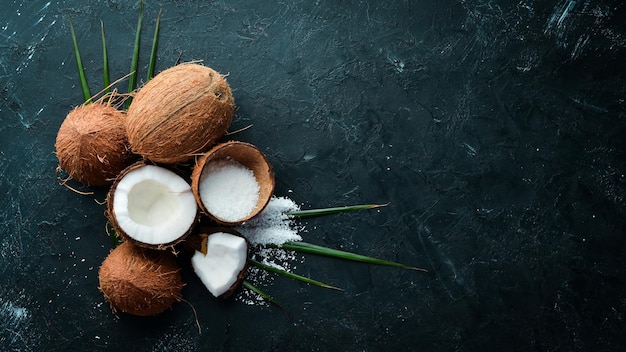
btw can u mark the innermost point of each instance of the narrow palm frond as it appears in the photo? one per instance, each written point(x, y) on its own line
point(335, 253)
point(153, 53)
point(292, 275)
point(79, 63)
point(132, 82)
point(335, 210)
point(257, 290)
point(105, 62)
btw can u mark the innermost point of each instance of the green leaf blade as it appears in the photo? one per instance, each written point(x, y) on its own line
point(258, 291)
point(79, 63)
point(116, 240)
point(335, 253)
point(153, 52)
point(105, 62)
point(132, 82)
point(309, 213)
point(292, 275)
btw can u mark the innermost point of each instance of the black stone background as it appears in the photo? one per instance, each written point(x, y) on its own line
point(494, 129)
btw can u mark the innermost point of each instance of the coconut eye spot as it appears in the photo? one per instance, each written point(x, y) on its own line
point(220, 94)
point(152, 204)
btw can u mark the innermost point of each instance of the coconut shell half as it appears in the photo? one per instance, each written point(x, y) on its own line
point(151, 206)
point(91, 144)
point(182, 112)
point(248, 156)
point(140, 281)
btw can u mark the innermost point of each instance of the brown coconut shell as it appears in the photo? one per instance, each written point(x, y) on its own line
point(115, 224)
point(198, 241)
point(91, 144)
point(249, 156)
point(183, 111)
point(139, 281)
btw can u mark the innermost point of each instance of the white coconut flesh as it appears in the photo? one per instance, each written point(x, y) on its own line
point(225, 258)
point(154, 205)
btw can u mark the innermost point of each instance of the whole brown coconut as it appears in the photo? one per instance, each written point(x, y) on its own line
point(140, 281)
point(181, 112)
point(91, 144)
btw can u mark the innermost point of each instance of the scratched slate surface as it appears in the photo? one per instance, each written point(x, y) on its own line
point(494, 129)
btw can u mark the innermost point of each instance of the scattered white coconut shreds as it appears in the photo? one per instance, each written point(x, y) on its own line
point(271, 227)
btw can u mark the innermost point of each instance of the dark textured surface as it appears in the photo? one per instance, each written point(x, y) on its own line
point(495, 130)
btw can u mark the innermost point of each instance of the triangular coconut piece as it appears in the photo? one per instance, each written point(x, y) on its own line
point(221, 263)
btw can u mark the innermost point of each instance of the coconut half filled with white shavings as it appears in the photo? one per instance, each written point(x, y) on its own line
point(222, 260)
point(232, 182)
point(151, 206)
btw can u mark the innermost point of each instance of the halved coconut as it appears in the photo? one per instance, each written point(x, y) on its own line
point(151, 206)
point(140, 281)
point(222, 260)
point(232, 182)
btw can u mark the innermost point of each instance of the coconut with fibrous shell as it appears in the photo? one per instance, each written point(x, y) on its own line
point(151, 206)
point(92, 145)
point(182, 112)
point(140, 281)
point(232, 182)
point(220, 259)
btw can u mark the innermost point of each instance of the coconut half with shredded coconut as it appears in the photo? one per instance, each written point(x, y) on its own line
point(221, 261)
point(232, 182)
point(151, 206)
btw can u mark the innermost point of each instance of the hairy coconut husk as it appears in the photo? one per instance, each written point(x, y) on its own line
point(92, 145)
point(198, 241)
point(183, 111)
point(140, 281)
point(116, 225)
point(249, 156)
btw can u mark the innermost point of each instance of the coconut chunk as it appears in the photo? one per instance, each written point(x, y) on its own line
point(221, 269)
point(152, 205)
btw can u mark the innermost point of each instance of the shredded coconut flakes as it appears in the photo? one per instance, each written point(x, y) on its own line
point(272, 227)
point(228, 189)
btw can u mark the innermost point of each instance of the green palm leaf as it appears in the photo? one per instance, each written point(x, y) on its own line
point(328, 211)
point(153, 53)
point(132, 82)
point(105, 62)
point(255, 289)
point(79, 63)
point(292, 275)
point(334, 253)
